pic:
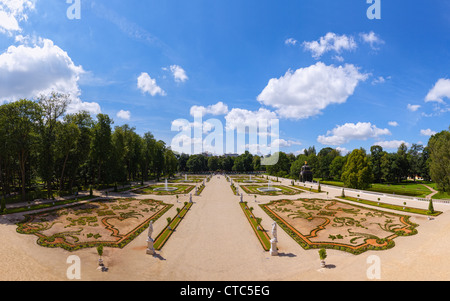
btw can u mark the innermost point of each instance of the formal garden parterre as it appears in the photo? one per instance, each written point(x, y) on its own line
point(110, 222)
point(333, 224)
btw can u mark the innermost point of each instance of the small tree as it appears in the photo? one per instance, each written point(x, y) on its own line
point(258, 222)
point(322, 256)
point(430, 207)
point(100, 250)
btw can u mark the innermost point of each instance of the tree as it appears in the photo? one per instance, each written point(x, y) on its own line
point(170, 163)
point(336, 167)
point(101, 148)
point(21, 123)
point(357, 171)
point(213, 163)
point(67, 135)
point(53, 107)
point(324, 159)
point(439, 146)
point(282, 167)
point(402, 162)
point(375, 159)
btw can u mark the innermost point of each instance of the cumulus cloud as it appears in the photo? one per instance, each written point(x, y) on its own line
point(393, 123)
point(125, 115)
point(241, 118)
point(372, 39)
point(39, 67)
point(330, 42)
point(291, 41)
point(218, 109)
point(427, 132)
point(12, 12)
point(413, 108)
point(393, 144)
point(178, 74)
point(148, 85)
point(307, 91)
point(26, 72)
point(440, 91)
point(351, 131)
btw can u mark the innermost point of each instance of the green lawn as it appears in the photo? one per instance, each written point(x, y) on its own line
point(404, 188)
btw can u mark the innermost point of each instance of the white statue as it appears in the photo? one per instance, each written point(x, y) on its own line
point(274, 231)
point(273, 241)
point(150, 248)
point(150, 229)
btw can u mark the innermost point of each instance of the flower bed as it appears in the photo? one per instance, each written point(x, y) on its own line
point(112, 223)
point(331, 224)
point(284, 190)
point(181, 189)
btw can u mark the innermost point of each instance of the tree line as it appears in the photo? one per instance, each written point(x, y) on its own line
point(43, 150)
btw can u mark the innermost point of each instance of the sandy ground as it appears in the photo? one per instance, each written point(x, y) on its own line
point(216, 243)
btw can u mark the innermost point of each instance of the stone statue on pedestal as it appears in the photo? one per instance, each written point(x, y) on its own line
point(150, 248)
point(274, 240)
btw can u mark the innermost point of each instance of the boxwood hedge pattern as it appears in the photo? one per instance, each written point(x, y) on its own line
point(58, 240)
point(379, 243)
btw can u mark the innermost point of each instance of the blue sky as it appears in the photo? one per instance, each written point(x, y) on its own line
point(332, 76)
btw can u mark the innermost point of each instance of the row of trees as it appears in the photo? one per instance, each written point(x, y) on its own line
point(45, 148)
point(42, 147)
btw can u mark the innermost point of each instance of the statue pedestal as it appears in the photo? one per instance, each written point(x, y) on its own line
point(273, 247)
point(150, 248)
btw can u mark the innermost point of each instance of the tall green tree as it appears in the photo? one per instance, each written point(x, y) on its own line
point(439, 146)
point(67, 136)
point(53, 107)
point(357, 171)
point(101, 146)
point(376, 153)
point(21, 123)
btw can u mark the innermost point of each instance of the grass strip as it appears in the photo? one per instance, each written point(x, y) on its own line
point(44, 206)
point(164, 235)
point(261, 234)
point(391, 206)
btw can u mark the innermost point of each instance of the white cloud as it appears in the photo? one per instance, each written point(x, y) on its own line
point(307, 91)
point(330, 42)
point(28, 71)
point(350, 131)
point(78, 105)
point(393, 123)
point(380, 80)
point(413, 108)
point(240, 118)
point(39, 67)
point(218, 109)
point(372, 39)
point(281, 143)
point(12, 12)
point(178, 74)
point(148, 85)
point(394, 144)
point(427, 132)
point(440, 91)
point(342, 150)
point(125, 115)
point(291, 41)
